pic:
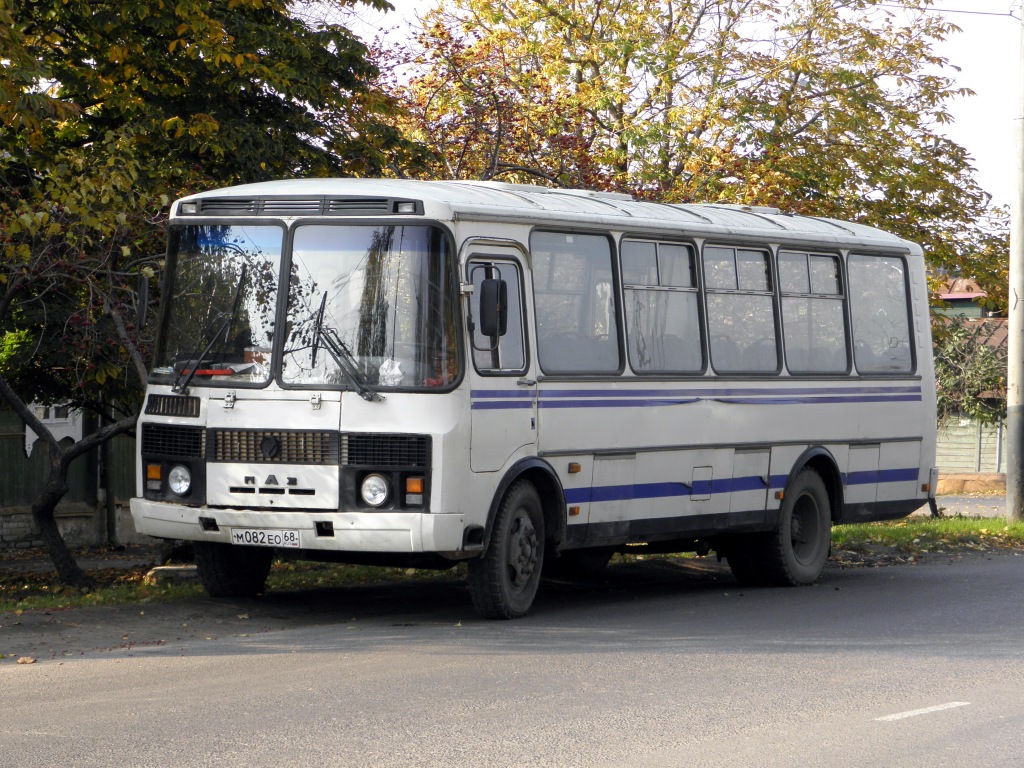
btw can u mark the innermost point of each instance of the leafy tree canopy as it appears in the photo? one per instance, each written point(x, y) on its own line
point(815, 106)
point(108, 110)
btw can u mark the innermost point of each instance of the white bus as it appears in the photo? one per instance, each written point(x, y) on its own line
point(527, 379)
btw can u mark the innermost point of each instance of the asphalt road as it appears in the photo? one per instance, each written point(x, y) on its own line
point(659, 665)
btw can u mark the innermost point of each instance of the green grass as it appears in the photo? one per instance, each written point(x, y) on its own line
point(928, 534)
point(21, 592)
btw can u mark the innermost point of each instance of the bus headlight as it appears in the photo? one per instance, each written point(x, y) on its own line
point(179, 479)
point(375, 490)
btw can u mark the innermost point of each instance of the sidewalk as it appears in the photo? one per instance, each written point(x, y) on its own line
point(970, 505)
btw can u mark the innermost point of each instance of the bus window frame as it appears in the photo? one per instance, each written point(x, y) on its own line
point(399, 221)
point(616, 297)
point(474, 258)
point(843, 296)
point(770, 249)
point(169, 273)
point(914, 371)
point(697, 289)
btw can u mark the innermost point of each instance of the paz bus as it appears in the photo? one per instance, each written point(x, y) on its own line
point(528, 380)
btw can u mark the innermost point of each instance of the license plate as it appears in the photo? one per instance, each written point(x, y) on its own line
point(264, 537)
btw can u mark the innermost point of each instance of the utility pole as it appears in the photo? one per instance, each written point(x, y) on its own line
point(1015, 341)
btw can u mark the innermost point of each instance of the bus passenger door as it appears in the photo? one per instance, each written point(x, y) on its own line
point(502, 391)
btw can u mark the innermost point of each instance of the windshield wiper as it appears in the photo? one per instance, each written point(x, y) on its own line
point(342, 355)
point(192, 364)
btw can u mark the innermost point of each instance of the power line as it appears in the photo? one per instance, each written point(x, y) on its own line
point(948, 10)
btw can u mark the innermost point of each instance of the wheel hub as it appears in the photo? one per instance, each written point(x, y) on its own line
point(523, 551)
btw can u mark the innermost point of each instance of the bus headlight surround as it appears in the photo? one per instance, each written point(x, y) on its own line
point(179, 479)
point(375, 490)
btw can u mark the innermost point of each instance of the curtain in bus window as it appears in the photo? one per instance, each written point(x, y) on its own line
point(813, 321)
point(881, 324)
point(741, 310)
point(574, 301)
point(662, 309)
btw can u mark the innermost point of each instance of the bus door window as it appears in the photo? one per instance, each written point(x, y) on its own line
point(505, 352)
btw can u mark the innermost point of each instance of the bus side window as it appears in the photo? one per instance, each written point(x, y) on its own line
point(575, 304)
point(881, 324)
point(507, 352)
point(813, 320)
point(741, 310)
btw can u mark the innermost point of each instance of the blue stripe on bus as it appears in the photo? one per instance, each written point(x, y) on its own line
point(718, 486)
point(870, 476)
point(689, 392)
point(490, 405)
point(663, 490)
point(500, 399)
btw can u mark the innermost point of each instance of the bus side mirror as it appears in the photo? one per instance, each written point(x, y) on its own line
point(493, 307)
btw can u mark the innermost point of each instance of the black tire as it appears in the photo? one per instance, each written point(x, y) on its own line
point(741, 552)
point(577, 564)
point(795, 553)
point(503, 583)
point(230, 571)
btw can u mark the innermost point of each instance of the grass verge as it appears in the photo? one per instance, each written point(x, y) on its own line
point(30, 591)
point(916, 535)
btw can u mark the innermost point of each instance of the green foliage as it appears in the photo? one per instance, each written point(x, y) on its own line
point(970, 374)
point(111, 109)
point(828, 109)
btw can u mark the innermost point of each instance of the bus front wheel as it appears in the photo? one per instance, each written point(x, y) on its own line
point(229, 571)
point(503, 583)
point(795, 553)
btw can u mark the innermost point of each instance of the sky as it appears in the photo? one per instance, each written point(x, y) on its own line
point(987, 52)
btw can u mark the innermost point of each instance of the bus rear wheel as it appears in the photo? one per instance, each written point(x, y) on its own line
point(795, 553)
point(229, 571)
point(503, 583)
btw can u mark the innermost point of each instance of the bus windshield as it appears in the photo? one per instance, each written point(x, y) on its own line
point(218, 319)
point(380, 298)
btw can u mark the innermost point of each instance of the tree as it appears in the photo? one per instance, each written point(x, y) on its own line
point(970, 369)
point(814, 106)
point(108, 110)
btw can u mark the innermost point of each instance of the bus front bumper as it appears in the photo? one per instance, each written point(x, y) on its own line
point(404, 532)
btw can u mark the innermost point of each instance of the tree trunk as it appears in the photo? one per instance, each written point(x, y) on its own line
point(44, 508)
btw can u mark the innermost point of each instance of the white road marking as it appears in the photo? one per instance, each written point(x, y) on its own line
point(925, 711)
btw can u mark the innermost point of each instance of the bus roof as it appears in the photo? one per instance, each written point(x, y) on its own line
point(488, 201)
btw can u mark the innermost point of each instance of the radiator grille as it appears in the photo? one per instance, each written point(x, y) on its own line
point(386, 451)
point(274, 446)
point(171, 405)
point(173, 440)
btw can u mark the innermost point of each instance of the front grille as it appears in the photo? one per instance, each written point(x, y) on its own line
point(274, 446)
point(173, 440)
point(386, 451)
point(172, 405)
